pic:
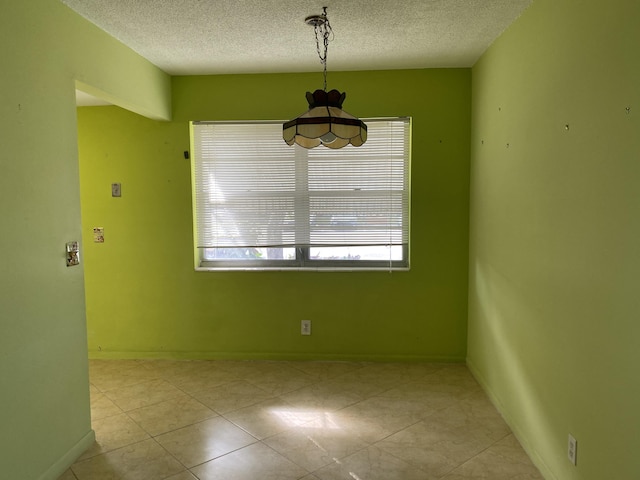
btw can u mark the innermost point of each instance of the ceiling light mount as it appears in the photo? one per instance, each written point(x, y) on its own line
point(325, 123)
point(316, 20)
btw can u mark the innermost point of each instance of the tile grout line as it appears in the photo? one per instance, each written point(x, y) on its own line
point(387, 384)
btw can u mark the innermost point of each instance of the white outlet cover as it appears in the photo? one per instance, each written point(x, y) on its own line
point(572, 449)
point(305, 327)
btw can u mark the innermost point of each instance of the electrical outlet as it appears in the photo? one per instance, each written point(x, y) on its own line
point(116, 190)
point(572, 451)
point(305, 327)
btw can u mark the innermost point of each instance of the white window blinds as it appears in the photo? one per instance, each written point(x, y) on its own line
point(253, 190)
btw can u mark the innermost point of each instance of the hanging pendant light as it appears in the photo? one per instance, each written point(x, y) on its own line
point(325, 123)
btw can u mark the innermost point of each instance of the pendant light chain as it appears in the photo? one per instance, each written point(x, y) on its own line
point(323, 30)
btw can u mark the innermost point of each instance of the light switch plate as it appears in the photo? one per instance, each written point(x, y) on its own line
point(73, 254)
point(116, 190)
point(98, 234)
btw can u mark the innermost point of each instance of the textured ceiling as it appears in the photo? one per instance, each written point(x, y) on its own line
point(197, 37)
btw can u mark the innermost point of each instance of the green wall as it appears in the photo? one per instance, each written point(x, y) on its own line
point(555, 229)
point(44, 48)
point(553, 243)
point(144, 297)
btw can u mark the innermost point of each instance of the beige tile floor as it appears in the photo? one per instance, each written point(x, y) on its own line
point(234, 420)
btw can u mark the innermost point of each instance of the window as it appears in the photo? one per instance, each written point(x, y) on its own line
point(261, 204)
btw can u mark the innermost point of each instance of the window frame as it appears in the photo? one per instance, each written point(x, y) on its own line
point(303, 260)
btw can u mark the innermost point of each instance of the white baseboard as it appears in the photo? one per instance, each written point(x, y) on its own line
point(517, 432)
point(337, 357)
point(57, 469)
